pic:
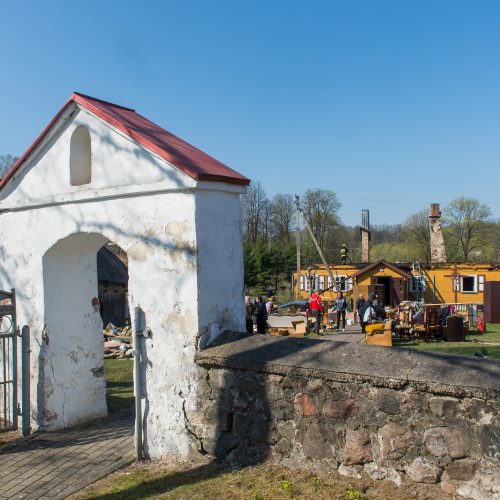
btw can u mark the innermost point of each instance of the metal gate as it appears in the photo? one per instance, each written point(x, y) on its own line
point(9, 333)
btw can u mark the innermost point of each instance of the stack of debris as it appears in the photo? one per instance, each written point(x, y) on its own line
point(117, 348)
point(298, 329)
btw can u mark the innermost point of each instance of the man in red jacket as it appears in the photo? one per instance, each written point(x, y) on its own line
point(316, 309)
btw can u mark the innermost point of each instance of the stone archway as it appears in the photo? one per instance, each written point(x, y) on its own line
point(71, 385)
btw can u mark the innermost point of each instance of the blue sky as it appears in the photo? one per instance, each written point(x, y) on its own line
point(391, 104)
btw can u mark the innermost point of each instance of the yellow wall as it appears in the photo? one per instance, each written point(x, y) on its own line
point(340, 270)
point(444, 283)
point(441, 273)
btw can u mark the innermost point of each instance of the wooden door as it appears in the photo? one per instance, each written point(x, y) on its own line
point(378, 289)
point(398, 291)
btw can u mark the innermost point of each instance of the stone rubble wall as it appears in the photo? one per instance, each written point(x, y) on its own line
point(389, 413)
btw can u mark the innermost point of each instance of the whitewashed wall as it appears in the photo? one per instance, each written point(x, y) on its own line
point(183, 242)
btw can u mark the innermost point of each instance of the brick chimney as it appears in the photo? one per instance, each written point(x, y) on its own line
point(438, 251)
point(365, 235)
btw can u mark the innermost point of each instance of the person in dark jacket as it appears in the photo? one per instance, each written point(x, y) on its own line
point(261, 313)
point(341, 307)
point(360, 307)
point(344, 253)
point(249, 313)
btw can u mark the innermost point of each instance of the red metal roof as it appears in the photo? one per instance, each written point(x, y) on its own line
point(184, 156)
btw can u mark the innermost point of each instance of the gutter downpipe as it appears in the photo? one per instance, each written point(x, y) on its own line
point(137, 384)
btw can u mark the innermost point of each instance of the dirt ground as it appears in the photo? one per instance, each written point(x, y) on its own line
point(9, 437)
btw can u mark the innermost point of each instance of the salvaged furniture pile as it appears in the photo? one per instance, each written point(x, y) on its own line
point(437, 321)
point(114, 345)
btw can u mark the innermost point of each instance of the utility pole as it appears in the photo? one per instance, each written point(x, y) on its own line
point(455, 280)
point(297, 241)
point(318, 248)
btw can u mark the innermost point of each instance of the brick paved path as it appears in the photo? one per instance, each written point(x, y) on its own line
point(54, 465)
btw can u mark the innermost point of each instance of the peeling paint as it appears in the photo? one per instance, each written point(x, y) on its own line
point(98, 371)
point(140, 251)
point(49, 416)
point(183, 242)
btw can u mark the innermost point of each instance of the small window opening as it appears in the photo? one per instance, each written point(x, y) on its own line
point(468, 284)
point(80, 157)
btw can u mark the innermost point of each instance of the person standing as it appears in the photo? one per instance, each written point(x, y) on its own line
point(341, 308)
point(316, 309)
point(261, 314)
point(369, 314)
point(269, 305)
point(249, 312)
point(360, 306)
point(343, 254)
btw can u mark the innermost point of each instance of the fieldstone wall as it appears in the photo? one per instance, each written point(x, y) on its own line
point(389, 413)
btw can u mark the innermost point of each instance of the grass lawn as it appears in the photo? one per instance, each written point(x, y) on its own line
point(486, 344)
point(266, 481)
point(119, 384)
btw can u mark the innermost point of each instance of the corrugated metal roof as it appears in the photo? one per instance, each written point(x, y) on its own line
point(188, 159)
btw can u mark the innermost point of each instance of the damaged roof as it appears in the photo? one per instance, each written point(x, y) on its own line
point(110, 268)
point(182, 155)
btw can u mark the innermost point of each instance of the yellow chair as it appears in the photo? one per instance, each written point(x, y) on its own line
point(379, 333)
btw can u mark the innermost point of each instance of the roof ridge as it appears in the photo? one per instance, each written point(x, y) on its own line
point(182, 155)
point(102, 101)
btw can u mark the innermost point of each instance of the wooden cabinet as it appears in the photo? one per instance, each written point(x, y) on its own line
point(492, 301)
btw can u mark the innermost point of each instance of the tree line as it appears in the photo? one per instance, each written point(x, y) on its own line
point(269, 231)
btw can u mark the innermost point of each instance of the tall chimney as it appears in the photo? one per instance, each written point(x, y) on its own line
point(438, 251)
point(365, 235)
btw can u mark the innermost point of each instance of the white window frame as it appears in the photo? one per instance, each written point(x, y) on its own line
point(302, 281)
point(341, 283)
point(329, 281)
point(320, 283)
point(417, 284)
point(462, 283)
point(481, 278)
point(307, 281)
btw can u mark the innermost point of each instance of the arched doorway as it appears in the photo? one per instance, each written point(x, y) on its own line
point(72, 387)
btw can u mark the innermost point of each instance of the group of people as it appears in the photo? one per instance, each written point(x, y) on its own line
point(257, 312)
point(368, 311)
point(316, 309)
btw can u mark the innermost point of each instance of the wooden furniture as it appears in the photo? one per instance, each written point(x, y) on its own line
point(404, 327)
point(492, 301)
point(432, 322)
point(379, 334)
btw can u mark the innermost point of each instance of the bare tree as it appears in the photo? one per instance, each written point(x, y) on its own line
point(265, 227)
point(416, 234)
point(254, 206)
point(282, 217)
point(320, 207)
point(6, 161)
point(467, 219)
